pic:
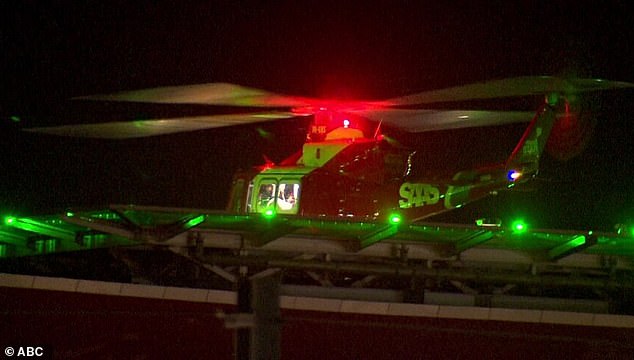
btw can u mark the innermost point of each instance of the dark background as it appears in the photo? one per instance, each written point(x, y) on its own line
point(52, 51)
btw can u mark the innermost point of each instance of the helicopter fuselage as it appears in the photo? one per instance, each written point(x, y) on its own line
point(347, 175)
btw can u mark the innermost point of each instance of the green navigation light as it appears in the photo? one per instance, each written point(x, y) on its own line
point(9, 220)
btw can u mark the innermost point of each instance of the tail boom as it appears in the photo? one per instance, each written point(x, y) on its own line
point(419, 200)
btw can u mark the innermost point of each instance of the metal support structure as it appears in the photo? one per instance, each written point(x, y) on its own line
point(269, 233)
point(577, 243)
point(243, 334)
point(378, 235)
point(257, 322)
point(43, 228)
point(222, 273)
point(503, 290)
point(404, 270)
point(336, 252)
point(473, 240)
point(98, 225)
point(363, 282)
point(322, 280)
point(265, 301)
point(463, 287)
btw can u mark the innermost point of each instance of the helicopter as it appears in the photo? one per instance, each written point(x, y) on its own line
point(346, 167)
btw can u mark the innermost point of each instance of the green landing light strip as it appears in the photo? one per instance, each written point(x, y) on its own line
point(40, 227)
point(567, 247)
point(195, 221)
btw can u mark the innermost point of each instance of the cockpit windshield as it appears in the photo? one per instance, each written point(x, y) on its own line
point(283, 198)
point(266, 196)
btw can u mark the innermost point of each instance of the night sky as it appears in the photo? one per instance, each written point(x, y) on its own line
point(52, 51)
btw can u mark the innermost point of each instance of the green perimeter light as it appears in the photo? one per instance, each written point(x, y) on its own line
point(519, 226)
point(269, 213)
point(395, 219)
point(626, 230)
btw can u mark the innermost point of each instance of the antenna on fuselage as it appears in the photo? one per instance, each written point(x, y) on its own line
point(378, 130)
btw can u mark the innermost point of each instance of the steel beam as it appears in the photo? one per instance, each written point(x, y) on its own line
point(43, 228)
point(473, 240)
point(576, 244)
point(382, 233)
point(407, 270)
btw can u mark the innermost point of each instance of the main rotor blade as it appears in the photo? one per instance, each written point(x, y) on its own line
point(151, 127)
point(205, 94)
point(430, 120)
point(225, 94)
point(511, 87)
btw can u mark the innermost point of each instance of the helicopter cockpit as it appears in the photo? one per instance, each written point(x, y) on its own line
point(276, 196)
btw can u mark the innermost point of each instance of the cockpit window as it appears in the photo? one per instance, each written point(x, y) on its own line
point(288, 198)
point(266, 196)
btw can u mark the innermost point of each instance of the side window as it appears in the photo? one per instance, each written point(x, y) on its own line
point(265, 196)
point(288, 197)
